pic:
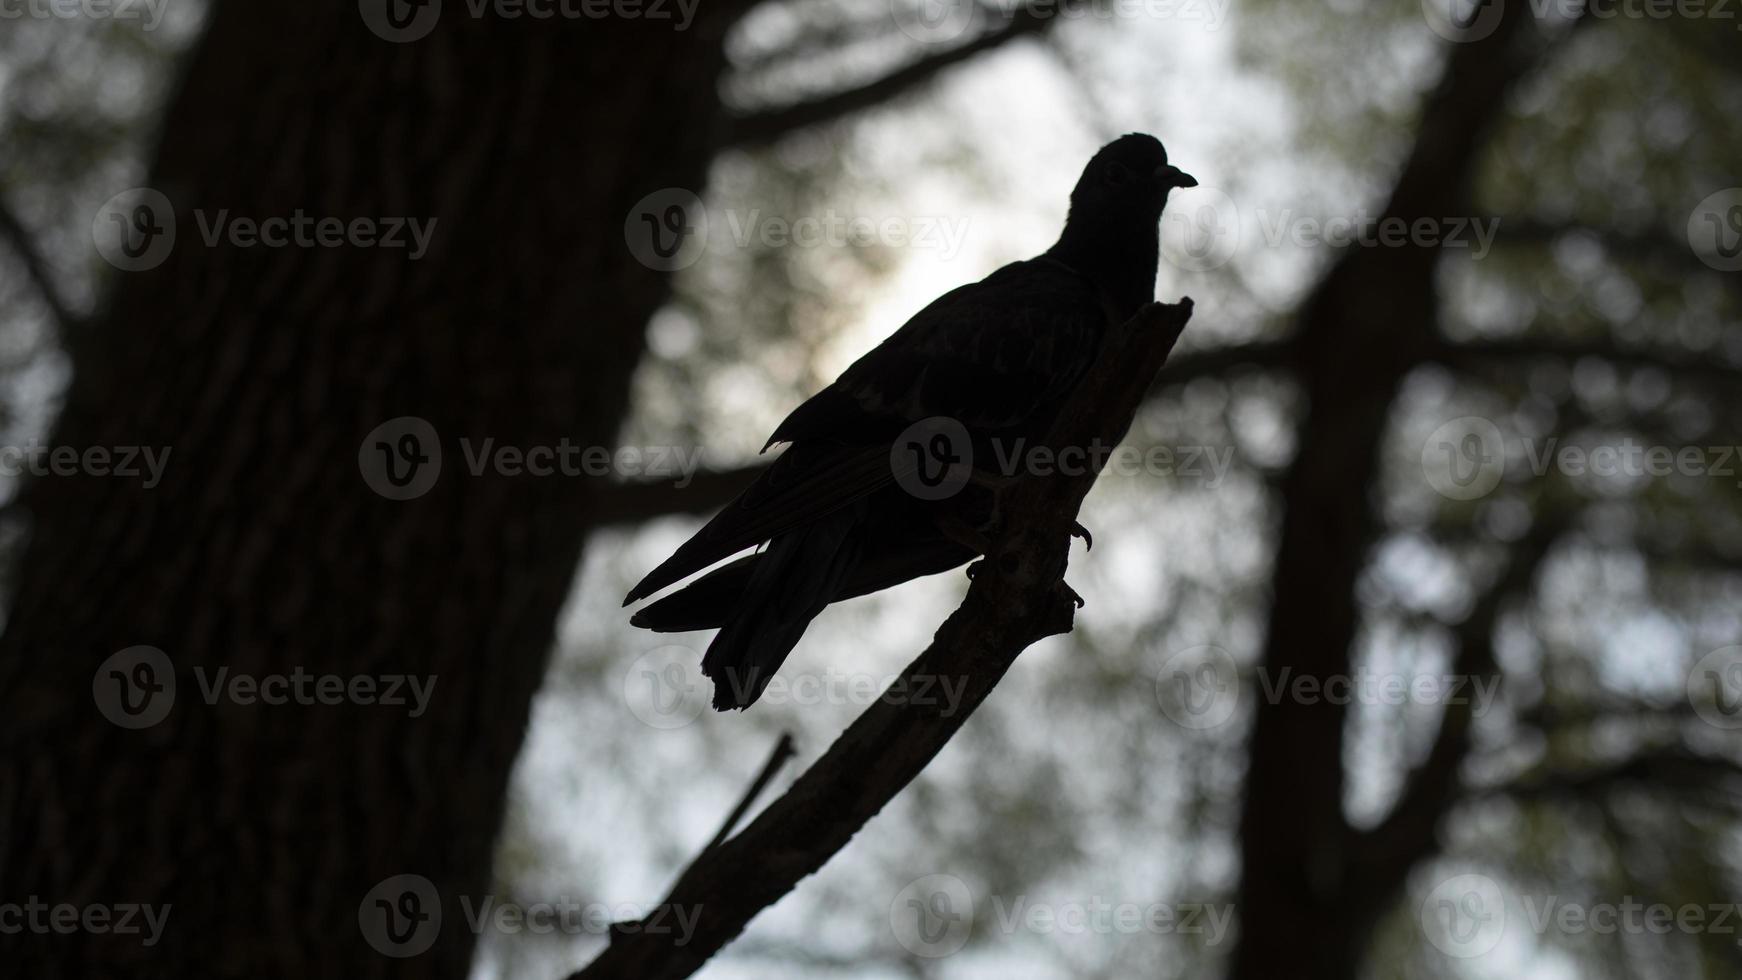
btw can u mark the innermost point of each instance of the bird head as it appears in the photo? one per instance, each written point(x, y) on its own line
point(1129, 174)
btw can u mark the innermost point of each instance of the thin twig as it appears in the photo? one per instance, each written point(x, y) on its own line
point(783, 750)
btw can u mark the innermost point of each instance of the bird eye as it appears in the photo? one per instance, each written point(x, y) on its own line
point(1117, 175)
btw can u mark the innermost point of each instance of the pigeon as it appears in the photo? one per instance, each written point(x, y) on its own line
point(886, 473)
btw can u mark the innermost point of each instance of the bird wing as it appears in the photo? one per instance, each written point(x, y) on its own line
point(988, 355)
point(991, 355)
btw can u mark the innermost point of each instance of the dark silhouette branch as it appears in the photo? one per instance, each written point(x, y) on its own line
point(1488, 353)
point(1672, 768)
point(758, 128)
point(783, 750)
point(1407, 833)
point(1018, 596)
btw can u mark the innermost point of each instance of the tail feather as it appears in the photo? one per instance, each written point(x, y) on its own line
point(786, 586)
point(704, 604)
point(883, 562)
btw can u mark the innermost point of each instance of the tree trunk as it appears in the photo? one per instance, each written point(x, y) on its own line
point(264, 550)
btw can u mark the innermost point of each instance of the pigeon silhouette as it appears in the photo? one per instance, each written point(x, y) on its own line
point(887, 475)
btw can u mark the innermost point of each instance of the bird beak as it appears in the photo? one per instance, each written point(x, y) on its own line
point(1172, 176)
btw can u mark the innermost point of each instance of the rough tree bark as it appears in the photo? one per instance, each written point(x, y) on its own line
point(263, 550)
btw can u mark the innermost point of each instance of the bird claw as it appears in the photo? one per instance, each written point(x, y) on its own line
point(1079, 531)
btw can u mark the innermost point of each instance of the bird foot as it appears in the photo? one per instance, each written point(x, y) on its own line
point(1079, 531)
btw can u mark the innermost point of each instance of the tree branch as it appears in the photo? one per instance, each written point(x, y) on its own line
point(1674, 768)
point(783, 750)
point(1488, 352)
point(1017, 597)
point(758, 128)
point(1407, 833)
point(36, 268)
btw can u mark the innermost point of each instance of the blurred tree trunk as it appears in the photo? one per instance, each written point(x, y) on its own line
point(1312, 886)
point(263, 550)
